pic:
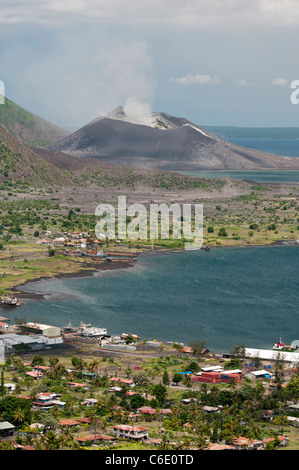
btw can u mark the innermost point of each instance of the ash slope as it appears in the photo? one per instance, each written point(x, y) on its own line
point(164, 142)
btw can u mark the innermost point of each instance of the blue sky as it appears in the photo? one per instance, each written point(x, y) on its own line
point(215, 62)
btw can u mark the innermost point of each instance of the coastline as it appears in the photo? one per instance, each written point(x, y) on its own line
point(93, 267)
point(88, 272)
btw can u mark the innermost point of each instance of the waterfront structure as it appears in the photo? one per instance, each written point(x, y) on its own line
point(272, 355)
point(42, 329)
point(11, 342)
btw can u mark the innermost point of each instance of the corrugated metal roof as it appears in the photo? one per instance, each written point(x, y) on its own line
point(6, 425)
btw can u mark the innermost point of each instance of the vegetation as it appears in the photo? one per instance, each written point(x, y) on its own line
point(238, 408)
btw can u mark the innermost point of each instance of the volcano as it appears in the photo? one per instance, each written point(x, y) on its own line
point(164, 142)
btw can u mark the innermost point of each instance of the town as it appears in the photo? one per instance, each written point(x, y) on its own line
point(82, 388)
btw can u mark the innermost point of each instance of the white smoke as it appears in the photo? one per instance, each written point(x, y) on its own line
point(138, 112)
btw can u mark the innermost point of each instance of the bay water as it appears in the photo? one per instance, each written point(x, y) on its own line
point(224, 297)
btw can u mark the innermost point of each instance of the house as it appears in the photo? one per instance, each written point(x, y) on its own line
point(293, 421)
point(36, 374)
point(68, 423)
point(293, 407)
point(45, 241)
point(9, 387)
point(215, 446)
point(258, 374)
point(146, 410)
point(242, 443)
point(128, 382)
point(37, 427)
point(283, 440)
point(59, 241)
point(6, 429)
point(268, 415)
point(94, 438)
point(77, 384)
point(46, 401)
point(84, 420)
point(211, 409)
point(3, 326)
point(89, 402)
point(137, 433)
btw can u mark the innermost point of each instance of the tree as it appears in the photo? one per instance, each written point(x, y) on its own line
point(165, 379)
point(238, 353)
point(292, 388)
point(51, 442)
point(2, 388)
point(222, 232)
point(159, 391)
point(176, 378)
point(38, 361)
point(198, 346)
point(10, 407)
point(137, 401)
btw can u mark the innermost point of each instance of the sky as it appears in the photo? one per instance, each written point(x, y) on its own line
point(214, 62)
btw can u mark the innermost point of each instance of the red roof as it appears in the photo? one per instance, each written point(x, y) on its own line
point(68, 422)
point(120, 379)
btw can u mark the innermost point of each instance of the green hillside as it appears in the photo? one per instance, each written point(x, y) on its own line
point(20, 164)
point(31, 129)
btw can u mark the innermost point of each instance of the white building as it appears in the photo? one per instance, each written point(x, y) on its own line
point(10, 342)
point(42, 329)
point(130, 432)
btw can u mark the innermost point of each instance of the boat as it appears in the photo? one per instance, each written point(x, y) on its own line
point(205, 247)
point(89, 331)
point(10, 301)
point(280, 346)
point(297, 241)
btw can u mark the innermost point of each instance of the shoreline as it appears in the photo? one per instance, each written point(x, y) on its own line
point(93, 267)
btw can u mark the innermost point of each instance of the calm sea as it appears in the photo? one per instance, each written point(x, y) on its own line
point(225, 297)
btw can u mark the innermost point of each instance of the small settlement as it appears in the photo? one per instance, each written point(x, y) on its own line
point(81, 244)
point(130, 391)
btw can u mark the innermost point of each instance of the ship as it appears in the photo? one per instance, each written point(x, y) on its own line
point(205, 247)
point(280, 346)
point(89, 331)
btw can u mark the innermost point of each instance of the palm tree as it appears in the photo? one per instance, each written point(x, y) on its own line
point(55, 367)
point(51, 442)
point(67, 437)
point(19, 415)
point(93, 365)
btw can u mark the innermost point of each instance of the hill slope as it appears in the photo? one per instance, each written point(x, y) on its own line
point(163, 142)
point(32, 129)
point(20, 164)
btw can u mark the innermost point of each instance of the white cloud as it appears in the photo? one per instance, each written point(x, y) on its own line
point(280, 81)
point(196, 79)
point(82, 78)
point(226, 14)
